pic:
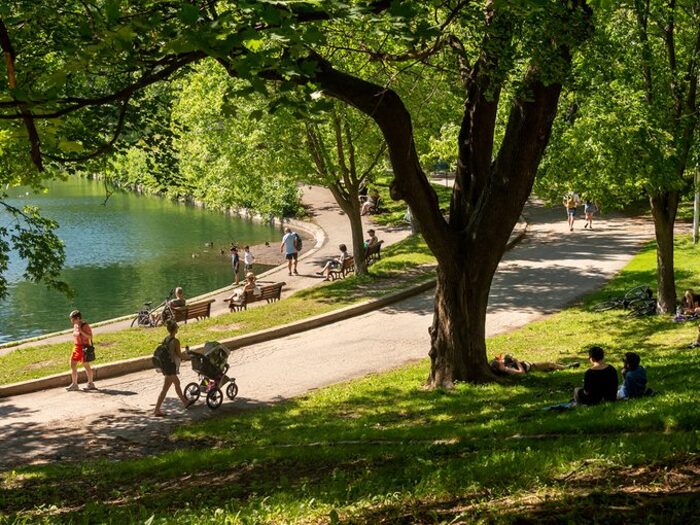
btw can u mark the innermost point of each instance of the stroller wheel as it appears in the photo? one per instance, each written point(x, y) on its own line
point(191, 391)
point(214, 398)
point(232, 390)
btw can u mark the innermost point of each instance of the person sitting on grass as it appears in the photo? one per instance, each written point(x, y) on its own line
point(690, 305)
point(634, 376)
point(336, 263)
point(599, 381)
point(506, 364)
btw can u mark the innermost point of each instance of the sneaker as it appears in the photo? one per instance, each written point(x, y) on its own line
point(585, 226)
point(574, 365)
point(296, 273)
point(571, 229)
point(73, 388)
point(90, 386)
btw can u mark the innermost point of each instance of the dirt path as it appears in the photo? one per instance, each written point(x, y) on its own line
point(548, 271)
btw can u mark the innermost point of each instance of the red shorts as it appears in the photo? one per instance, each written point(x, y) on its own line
point(77, 354)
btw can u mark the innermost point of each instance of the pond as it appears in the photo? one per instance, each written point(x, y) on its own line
point(120, 253)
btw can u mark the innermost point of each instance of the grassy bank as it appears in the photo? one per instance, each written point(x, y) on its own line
point(384, 450)
point(402, 265)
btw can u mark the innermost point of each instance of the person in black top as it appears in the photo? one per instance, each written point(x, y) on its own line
point(599, 381)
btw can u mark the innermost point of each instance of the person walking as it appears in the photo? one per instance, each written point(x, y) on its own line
point(589, 209)
point(235, 264)
point(570, 204)
point(83, 351)
point(248, 259)
point(289, 246)
point(170, 369)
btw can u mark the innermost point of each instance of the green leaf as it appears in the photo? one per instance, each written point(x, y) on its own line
point(189, 14)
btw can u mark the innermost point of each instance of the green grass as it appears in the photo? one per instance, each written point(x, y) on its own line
point(385, 450)
point(402, 265)
point(393, 211)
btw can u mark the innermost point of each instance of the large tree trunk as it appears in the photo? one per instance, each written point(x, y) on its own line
point(457, 335)
point(664, 206)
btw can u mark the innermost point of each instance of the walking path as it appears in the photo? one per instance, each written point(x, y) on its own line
point(324, 213)
point(549, 270)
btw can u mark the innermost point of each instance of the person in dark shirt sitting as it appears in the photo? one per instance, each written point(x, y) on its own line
point(599, 381)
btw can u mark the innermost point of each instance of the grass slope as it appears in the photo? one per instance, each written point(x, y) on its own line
point(384, 450)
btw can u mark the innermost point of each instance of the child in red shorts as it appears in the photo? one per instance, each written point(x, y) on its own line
point(82, 337)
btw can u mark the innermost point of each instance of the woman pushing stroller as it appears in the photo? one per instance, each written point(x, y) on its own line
point(170, 368)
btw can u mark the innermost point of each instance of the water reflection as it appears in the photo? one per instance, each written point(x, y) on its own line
point(134, 248)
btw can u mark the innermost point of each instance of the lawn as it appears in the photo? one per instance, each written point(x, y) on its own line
point(385, 450)
point(402, 265)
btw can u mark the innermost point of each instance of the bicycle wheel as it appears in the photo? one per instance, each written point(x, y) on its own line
point(638, 292)
point(135, 320)
point(604, 306)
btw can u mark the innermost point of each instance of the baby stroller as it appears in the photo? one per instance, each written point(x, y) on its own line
point(210, 363)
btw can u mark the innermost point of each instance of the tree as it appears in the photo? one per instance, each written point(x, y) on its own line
point(633, 118)
point(485, 48)
point(346, 169)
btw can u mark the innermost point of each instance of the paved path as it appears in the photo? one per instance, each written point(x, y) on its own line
point(324, 212)
point(548, 271)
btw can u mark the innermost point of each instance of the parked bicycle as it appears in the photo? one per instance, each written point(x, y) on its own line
point(151, 317)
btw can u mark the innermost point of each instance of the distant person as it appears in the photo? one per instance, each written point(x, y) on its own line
point(589, 209)
point(236, 298)
point(248, 259)
point(506, 364)
point(179, 300)
point(171, 369)
point(235, 264)
point(599, 381)
point(372, 239)
point(570, 204)
point(335, 263)
point(690, 304)
point(634, 377)
point(371, 202)
point(82, 343)
point(696, 344)
point(289, 246)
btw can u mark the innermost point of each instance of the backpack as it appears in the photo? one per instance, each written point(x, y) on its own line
point(298, 243)
point(161, 356)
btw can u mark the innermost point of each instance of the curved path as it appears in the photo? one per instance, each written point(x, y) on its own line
point(324, 212)
point(549, 270)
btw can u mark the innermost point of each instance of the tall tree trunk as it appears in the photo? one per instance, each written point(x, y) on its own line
point(457, 335)
point(351, 206)
point(664, 206)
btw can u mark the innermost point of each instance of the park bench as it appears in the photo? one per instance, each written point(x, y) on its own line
point(373, 253)
point(340, 272)
point(270, 293)
point(193, 311)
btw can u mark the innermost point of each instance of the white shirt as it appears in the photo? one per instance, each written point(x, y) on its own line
point(248, 258)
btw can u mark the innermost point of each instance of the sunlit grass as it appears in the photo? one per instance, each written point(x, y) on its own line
point(383, 449)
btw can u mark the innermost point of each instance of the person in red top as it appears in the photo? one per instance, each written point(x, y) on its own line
point(82, 338)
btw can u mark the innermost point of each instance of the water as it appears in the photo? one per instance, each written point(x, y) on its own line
point(120, 254)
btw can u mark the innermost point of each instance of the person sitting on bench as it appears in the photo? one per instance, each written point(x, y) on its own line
point(335, 263)
point(239, 293)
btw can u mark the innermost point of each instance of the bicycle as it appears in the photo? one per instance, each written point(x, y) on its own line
point(637, 299)
point(151, 317)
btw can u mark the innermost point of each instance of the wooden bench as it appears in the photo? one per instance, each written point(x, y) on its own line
point(193, 311)
point(373, 253)
point(270, 293)
point(340, 273)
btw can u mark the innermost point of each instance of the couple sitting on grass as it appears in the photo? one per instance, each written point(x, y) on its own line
point(599, 382)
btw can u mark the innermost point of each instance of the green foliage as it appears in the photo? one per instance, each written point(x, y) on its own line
point(622, 137)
